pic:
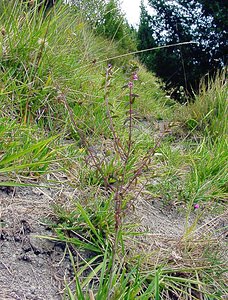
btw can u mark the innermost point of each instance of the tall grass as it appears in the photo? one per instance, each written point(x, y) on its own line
point(207, 120)
point(208, 113)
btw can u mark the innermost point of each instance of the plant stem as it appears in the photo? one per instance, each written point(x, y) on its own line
point(117, 142)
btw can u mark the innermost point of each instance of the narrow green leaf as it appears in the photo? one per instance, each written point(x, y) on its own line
point(38, 145)
point(157, 294)
point(89, 223)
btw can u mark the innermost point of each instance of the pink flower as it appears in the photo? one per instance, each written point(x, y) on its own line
point(130, 84)
point(135, 76)
point(196, 206)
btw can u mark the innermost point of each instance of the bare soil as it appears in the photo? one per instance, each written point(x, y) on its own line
point(31, 268)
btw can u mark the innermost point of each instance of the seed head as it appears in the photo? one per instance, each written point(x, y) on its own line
point(3, 31)
point(31, 2)
point(42, 42)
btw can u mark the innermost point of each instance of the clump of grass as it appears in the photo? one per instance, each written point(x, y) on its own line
point(206, 119)
point(208, 179)
point(209, 110)
point(193, 162)
point(184, 270)
point(23, 151)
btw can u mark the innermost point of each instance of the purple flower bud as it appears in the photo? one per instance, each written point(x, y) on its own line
point(196, 206)
point(135, 76)
point(130, 84)
point(109, 66)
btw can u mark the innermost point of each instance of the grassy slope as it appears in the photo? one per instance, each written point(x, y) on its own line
point(52, 75)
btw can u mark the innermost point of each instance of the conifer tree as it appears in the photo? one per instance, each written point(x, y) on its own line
point(181, 21)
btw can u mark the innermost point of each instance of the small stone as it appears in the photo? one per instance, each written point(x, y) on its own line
point(17, 238)
point(26, 247)
point(25, 258)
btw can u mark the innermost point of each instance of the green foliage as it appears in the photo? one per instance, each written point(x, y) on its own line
point(35, 65)
point(194, 168)
point(115, 27)
point(178, 22)
point(209, 110)
point(27, 89)
point(218, 10)
point(23, 151)
point(207, 117)
point(107, 20)
point(208, 179)
point(145, 39)
point(92, 11)
point(130, 282)
point(113, 21)
point(90, 228)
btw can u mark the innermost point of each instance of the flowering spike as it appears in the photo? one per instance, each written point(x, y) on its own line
point(135, 76)
point(130, 84)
